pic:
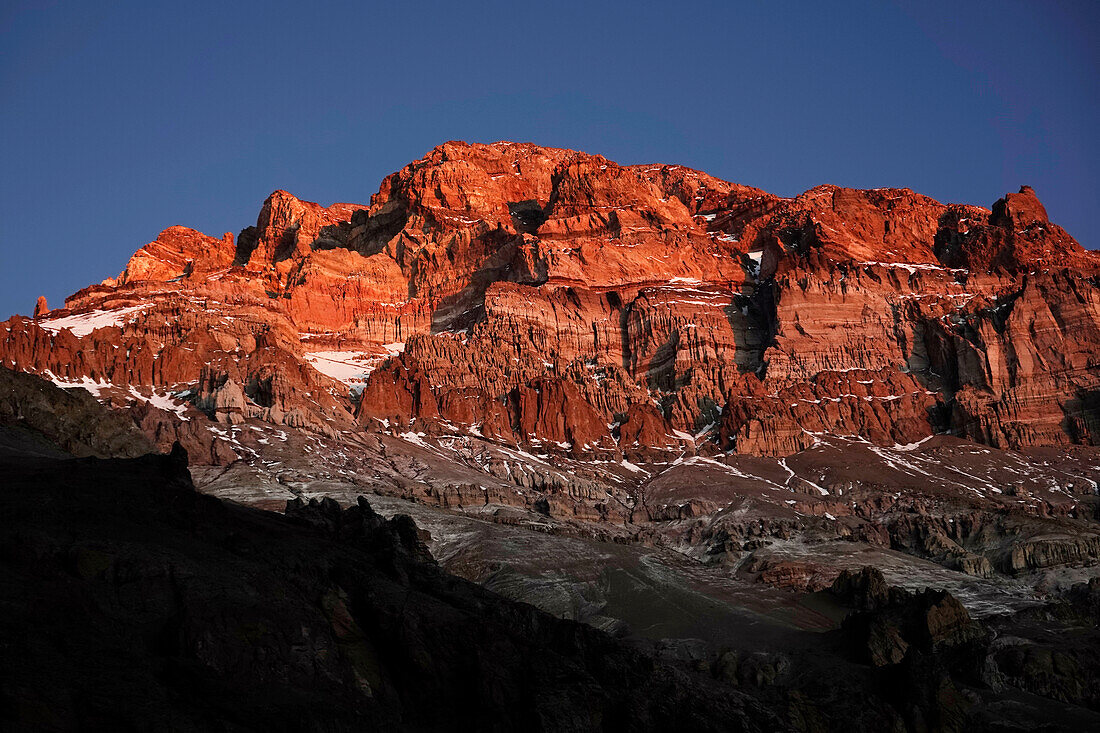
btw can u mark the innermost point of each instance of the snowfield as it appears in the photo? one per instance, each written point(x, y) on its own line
point(351, 367)
point(83, 324)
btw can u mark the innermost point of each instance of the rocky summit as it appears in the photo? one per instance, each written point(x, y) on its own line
point(666, 405)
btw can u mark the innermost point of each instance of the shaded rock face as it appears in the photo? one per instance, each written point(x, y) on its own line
point(929, 651)
point(132, 601)
point(890, 620)
point(41, 418)
point(485, 287)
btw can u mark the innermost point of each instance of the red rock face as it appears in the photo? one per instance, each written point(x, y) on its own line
point(1016, 236)
point(550, 298)
point(177, 252)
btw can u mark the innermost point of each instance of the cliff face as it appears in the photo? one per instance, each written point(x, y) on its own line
point(548, 297)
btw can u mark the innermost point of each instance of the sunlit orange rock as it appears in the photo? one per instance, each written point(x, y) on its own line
point(549, 297)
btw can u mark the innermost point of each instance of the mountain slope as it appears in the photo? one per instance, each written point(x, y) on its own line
point(131, 601)
point(644, 353)
point(542, 296)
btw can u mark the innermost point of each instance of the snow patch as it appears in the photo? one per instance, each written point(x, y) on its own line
point(414, 438)
point(161, 402)
point(351, 367)
point(84, 323)
point(86, 382)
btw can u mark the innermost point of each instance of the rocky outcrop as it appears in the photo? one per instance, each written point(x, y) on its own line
point(1016, 236)
point(889, 621)
point(927, 641)
point(177, 252)
point(37, 416)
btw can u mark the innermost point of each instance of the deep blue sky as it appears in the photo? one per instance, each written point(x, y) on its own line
point(119, 119)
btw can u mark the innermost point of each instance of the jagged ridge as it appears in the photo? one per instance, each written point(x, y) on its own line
point(546, 297)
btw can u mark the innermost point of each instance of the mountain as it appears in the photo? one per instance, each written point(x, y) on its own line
point(777, 389)
point(546, 297)
point(685, 412)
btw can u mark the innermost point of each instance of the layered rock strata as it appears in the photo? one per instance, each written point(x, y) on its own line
point(645, 308)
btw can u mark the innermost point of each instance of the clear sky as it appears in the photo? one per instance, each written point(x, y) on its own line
point(119, 119)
